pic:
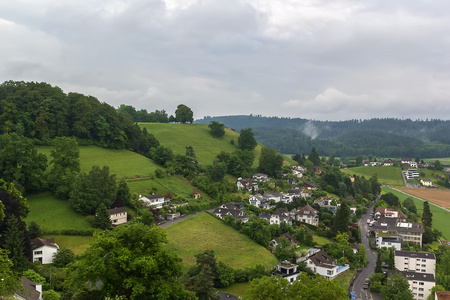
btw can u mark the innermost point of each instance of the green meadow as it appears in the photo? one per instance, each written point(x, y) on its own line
point(123, 163)
point(174, 185)
point(78, 244)
point(52, 213)
point(204, 232)
point(441, 218)
point(386, 175)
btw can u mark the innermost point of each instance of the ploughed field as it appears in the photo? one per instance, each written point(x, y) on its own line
point(440, 197)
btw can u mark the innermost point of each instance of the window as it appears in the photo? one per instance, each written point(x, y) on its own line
point(424, 265)
point(421, 283)
point(424, 260)
point(329, 272)
point(414, 282)
point(421, 289)
point(420, 295)
point(37, 252)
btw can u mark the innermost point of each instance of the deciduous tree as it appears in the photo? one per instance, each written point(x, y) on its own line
point(130, 261)
point(396, 288)
point(270, 162)
point(246, 139)
point(217, 129)
point(184, 114)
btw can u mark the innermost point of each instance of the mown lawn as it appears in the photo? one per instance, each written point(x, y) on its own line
point(441, 218)
point(237, 289)
point(386, 175)
point(123, 163)
point(320, 240)
point(78, 244)
point(345, 278)
point(54, 214)
point(204, 232)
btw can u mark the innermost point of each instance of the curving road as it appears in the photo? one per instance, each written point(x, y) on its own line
point(368, 270)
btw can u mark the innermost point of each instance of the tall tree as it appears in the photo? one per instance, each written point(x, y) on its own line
point(20, 162)
point(427, 216)
point(123, 192)
point(130, 261)
point(246, 139)
point(314, 157)
point(102, 218)
point(184, 114)
point(396, 288)
point(270, 162)
point(391, 261)
point(15, 244)
point(341, 220)
point(379, 262)
point(217, 129)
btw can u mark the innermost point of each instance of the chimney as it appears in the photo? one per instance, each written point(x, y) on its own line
point(39, 289)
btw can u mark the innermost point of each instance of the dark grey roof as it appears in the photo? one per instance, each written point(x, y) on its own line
point(227, 296)
point(154, 196)
point(38, 242)
point(414, 275)
point(415, 254)
point(116, 210)
point(28, 290)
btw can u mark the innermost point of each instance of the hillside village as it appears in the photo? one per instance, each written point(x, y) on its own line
point(312, 215)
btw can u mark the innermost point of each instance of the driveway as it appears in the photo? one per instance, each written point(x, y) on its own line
point(168, 223)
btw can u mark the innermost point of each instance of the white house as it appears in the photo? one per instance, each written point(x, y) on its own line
point(288, 271)
point(321, 263)
point(246, 183)
point(280, 215)
point(420, 262)
point(419, 283)
point(118, 215)
point(153, 200)
point(306, 214)
point(426, 182)
point(43, 250)
point(260, 177)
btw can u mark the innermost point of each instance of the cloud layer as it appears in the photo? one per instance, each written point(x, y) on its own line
point(318, 59)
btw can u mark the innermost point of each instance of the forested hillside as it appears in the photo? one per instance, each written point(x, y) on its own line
point(374, 137)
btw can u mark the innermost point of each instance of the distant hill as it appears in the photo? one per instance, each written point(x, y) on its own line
point(374, 137)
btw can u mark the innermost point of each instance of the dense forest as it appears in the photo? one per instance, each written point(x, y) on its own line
point(388, 138)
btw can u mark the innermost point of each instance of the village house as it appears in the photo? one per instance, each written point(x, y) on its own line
point(298, 171)
point(273, 196)
point(235, 210)
point(391, 213)
point(388, 228)
point(260, 201)
point(287, 270)
point(29, 290)
point(442, 295)
point(306, 214)
point(321, 263)
point(310, 185)
point(419, 283)
point(274, 242)
point(118, 215)
point(388, 163)
point(43, 250)
point(426, 182)
point(327, 202)
point(415, 261)
point(260, 177)
point(247, 184)
point(154, 200)
point(196, 194)
point(280, 215)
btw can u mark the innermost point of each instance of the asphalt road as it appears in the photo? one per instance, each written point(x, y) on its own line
point(368, 270)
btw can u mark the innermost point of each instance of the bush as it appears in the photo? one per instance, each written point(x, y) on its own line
point(51, 295)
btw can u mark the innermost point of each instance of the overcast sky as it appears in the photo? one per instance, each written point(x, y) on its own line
point(315, 59)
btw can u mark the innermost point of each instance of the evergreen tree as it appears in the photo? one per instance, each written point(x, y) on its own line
point(341, 220)
point(391, 261)
point(102, 218)
point(314, 157)
point(34, 230)
point(427, 216)
point(15, 244)
point(378, 268)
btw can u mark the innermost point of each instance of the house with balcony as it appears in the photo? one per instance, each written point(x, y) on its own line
point(306, 214)
point(287, 270)
point(118, 215)
point(323, 264)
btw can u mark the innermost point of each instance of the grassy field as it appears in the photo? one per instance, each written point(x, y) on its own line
point(237, 289)
point(78, 244)
point(178, 186)
point(441, 218)
point(123, 163)
point(443, 160)
point(203, 232)
point(179, 136)
point(53, 213)
point(386, 175)
point(320, 240)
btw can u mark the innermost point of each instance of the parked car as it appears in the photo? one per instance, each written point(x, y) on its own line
point(366, 283)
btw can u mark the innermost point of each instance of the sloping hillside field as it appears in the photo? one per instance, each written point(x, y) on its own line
point(204, 232)
point(386, 175)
